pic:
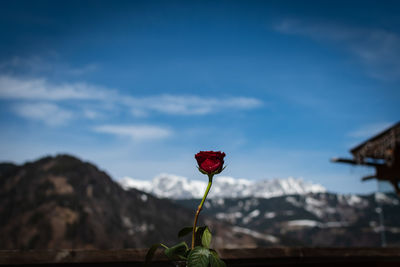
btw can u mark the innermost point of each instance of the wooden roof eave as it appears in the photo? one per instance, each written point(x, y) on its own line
point(380, 146)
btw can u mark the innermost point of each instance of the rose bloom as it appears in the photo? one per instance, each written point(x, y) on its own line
point(210, 162)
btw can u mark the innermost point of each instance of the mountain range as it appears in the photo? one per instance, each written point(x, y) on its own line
point(289, 212)
point(313, 219)
point(178, 187)
point(62, 202)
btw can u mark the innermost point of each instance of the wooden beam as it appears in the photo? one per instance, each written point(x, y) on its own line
point(369, 177)
point(353, 162)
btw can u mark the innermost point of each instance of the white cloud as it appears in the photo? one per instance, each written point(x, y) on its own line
point(41, 89)
point(101, 100)
point(190, 104)
point(48, 113)
point(369, 130)
point(136, 132)
point(378, 49)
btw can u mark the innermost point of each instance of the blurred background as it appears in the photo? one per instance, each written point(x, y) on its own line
point(103, 105)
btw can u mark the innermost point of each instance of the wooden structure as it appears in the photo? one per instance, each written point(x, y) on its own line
point(382, 152)
point(273, 257)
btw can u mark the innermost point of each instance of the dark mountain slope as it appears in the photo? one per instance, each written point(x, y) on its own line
point(62, 202)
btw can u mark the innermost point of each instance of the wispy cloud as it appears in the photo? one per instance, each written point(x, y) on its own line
point(136, 132)
point(369, 130)
point(189, 104)
point(378, 49)
point(41, 90)
point(48, 113)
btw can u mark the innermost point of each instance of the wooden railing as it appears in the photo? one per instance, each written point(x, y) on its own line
point(321, 257)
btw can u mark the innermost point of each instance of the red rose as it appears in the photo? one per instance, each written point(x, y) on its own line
point(210, 162)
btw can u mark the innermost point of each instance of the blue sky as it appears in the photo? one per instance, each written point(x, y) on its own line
point(139, 87)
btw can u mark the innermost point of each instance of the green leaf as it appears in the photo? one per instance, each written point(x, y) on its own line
point(206, 238)
point(199, 233)
point(199, 257)
point(151, 251)
point(212, 251)
point(177, 252)
point(215, 261)
point(185, 231)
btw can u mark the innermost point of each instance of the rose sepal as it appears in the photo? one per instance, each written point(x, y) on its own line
point(200, 170)
point(211, 174)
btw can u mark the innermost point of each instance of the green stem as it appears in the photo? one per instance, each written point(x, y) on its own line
point(210, 176)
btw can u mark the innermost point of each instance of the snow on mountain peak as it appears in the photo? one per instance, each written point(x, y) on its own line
point(177, 187)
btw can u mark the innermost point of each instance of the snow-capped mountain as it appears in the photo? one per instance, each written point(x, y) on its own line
point(178, 187)
point(322, 219)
